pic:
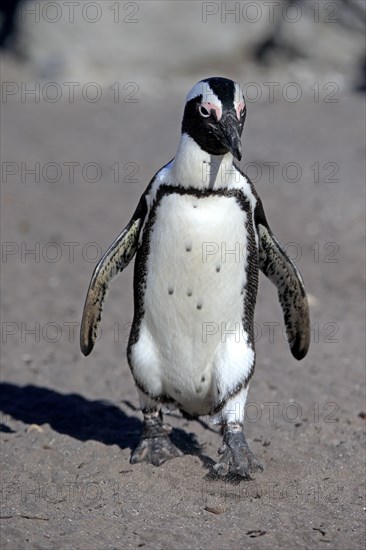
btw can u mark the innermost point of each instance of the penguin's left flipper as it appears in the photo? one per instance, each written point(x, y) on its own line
point(281, 271)
point(112, 263)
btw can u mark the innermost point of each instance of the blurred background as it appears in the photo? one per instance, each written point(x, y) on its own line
point(92, 99)
point(160, 44)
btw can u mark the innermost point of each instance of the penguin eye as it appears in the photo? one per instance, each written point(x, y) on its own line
point(203, 111)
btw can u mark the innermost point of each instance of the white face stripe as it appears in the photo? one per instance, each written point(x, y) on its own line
point(238, 96)
point(238, 100)
point(208, 96)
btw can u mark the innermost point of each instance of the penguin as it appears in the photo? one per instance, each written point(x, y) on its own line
point(200, 237)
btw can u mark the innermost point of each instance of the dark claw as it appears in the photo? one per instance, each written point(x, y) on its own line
point(155, 446)
point(236, 458)
point(155, 450)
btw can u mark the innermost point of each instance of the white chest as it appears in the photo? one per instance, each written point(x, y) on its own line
point(194, 296)
point(196, 267)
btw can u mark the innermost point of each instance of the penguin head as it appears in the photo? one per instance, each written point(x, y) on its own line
point(214, 116)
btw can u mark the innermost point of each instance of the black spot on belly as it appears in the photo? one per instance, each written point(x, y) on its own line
point(199, 305)
point(203, 379)
point(188, 248)
point(170, 290)
point(218, 268)
point(189, 292)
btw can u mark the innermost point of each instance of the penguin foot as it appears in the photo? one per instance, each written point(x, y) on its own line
point(155, 446)
point(236, 458)
point(155, 451)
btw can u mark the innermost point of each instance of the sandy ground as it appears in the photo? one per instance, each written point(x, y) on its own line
point(69, 423)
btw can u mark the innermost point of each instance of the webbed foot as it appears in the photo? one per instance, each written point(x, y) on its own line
point(155, 446)
point(236, 458)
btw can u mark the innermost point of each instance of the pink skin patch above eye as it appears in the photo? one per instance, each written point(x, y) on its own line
point(211, 106)
point(239, 108)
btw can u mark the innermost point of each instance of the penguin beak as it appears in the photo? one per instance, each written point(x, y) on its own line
point(229, 136)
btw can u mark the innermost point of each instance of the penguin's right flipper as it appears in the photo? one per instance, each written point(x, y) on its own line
point(282, 272)
point(112, 263)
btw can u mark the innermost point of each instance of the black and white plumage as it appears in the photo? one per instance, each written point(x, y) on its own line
point(200, 236)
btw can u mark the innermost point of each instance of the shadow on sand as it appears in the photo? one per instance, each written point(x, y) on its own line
point(84, 419)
